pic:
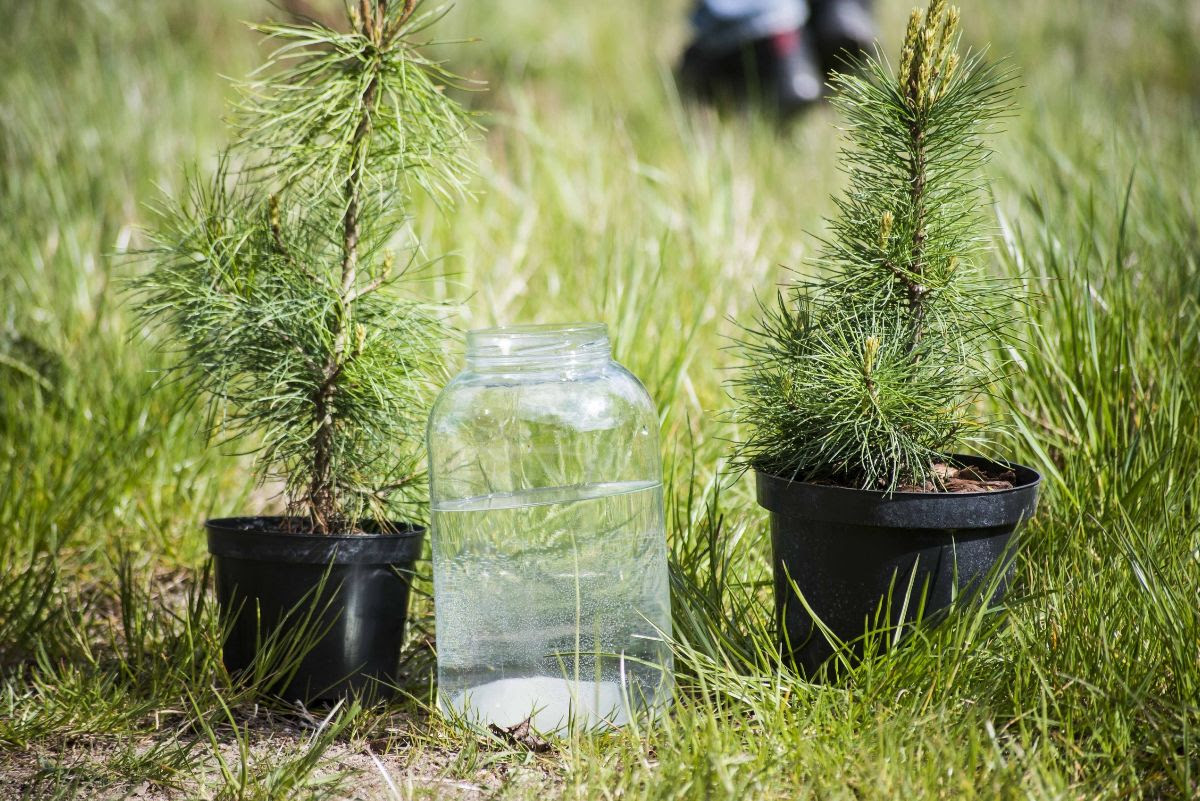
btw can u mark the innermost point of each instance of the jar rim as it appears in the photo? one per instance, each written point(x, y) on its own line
point(538, 344)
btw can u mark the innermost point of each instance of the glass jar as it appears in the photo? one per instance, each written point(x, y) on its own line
point(549, 552)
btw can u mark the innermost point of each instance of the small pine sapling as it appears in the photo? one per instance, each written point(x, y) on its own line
point(276, 281)
point(870, 375)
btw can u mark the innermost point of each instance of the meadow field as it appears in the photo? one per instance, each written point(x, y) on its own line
point(602, 195)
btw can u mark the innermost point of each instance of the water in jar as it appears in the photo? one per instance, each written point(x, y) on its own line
point(552, 604)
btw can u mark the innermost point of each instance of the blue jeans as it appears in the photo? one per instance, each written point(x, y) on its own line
point(726, 24)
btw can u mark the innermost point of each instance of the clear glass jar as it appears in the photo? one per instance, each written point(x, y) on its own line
point(549, 552)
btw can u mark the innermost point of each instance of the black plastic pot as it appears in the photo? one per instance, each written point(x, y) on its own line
point(852, 553)
point(346, 596)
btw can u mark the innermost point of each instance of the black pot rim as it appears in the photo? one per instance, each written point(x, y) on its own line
point(234, 537)
point(907, 510)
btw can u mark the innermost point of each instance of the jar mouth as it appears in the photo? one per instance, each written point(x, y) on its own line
point(538, 346)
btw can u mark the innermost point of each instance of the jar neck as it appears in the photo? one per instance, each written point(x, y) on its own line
point(538, 348)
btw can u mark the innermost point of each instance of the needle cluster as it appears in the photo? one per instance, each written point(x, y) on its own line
point(277, 281)
point(870, 375)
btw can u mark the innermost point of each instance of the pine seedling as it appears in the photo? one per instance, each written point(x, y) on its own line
point(277, 280)
point(871, 374)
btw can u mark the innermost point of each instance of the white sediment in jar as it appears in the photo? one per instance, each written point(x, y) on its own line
point(552, 705)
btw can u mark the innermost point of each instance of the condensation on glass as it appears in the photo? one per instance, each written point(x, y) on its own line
point(549, 552)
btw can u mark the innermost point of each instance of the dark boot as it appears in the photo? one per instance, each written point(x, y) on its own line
point(780, 71)
point(842, 30)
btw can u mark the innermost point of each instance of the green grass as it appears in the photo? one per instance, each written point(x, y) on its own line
point(601, 196)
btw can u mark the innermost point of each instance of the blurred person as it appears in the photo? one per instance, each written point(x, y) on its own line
point(777, 50)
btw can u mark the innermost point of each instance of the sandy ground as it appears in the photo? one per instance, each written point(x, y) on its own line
point(381, 772)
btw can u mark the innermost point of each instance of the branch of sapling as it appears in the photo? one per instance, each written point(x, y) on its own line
point(321, 492)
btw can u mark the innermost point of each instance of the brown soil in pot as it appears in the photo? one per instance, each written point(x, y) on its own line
point(964, 479)
point(949, 478)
